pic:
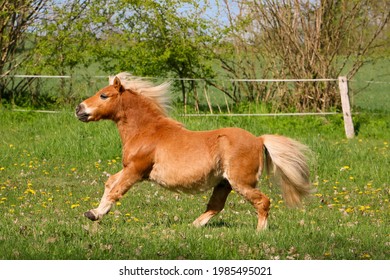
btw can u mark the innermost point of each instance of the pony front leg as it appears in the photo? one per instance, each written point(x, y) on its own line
point(120, 181)
point(104, 207)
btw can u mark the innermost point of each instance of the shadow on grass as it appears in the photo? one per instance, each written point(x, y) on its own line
point(218, 224)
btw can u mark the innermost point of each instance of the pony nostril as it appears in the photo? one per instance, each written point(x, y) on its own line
point(79, 108)
point(81, 114)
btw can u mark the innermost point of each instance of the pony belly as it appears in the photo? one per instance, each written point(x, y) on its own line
point(186, 184)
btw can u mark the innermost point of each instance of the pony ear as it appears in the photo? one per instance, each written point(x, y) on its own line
point(118, 85)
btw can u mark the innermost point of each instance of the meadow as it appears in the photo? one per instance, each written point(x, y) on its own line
point(53, 168)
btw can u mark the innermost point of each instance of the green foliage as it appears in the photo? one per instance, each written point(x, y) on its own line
point(64, 39)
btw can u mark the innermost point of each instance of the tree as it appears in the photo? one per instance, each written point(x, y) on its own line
point(16, 17)
point(304, 39)
point(63, 39)
point(156, 38)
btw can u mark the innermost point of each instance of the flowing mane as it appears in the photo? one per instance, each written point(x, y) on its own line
point(159, 94)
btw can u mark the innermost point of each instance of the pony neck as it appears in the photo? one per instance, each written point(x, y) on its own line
point(137, 114)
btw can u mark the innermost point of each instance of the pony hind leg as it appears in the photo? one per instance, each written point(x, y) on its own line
point(216, 203)
point(259, 200)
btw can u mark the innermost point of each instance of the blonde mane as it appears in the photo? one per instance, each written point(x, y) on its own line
point(145, 88)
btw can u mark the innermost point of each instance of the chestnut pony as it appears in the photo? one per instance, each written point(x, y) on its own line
point(160, 149)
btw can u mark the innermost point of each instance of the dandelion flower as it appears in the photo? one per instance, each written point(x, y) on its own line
point(345, 167)
point(74, 205)
point(29, 190)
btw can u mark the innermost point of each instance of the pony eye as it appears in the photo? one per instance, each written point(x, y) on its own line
point(103, 96)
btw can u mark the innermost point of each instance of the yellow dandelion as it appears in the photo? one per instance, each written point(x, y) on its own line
point(29, 190)
point(364, 208)
point(345, 167)
point(365, 256)
point(74, 205)
point(118, 204)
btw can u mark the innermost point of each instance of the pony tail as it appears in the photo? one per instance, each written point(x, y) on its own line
point(286, 160)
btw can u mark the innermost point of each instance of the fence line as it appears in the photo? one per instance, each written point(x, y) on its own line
point(371, 82)
point(261, 115)
point(179, 79)
point(37, 111)
point(342, 81)
point(198, 79)
point(208, 115)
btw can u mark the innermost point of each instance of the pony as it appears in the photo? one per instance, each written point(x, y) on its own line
point(160, 149)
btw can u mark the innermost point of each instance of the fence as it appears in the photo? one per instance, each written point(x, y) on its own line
point(342, 82)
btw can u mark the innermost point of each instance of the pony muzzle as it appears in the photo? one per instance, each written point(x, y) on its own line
point(81, 113)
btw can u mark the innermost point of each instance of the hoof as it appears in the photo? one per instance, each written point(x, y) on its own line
point(90, 215)
point(262, 226)
point(198, 224)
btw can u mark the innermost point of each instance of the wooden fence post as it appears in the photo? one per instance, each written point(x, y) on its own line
point(348, 124)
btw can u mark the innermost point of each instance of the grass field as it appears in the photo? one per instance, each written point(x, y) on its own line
point(53, 167)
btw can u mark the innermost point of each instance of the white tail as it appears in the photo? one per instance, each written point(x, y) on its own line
point(286, 159)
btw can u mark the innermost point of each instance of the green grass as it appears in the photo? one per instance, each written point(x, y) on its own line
point(53, 167)
point(370, 88)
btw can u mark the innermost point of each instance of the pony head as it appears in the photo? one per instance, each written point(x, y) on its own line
point(108, 101)
point(102, 104)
